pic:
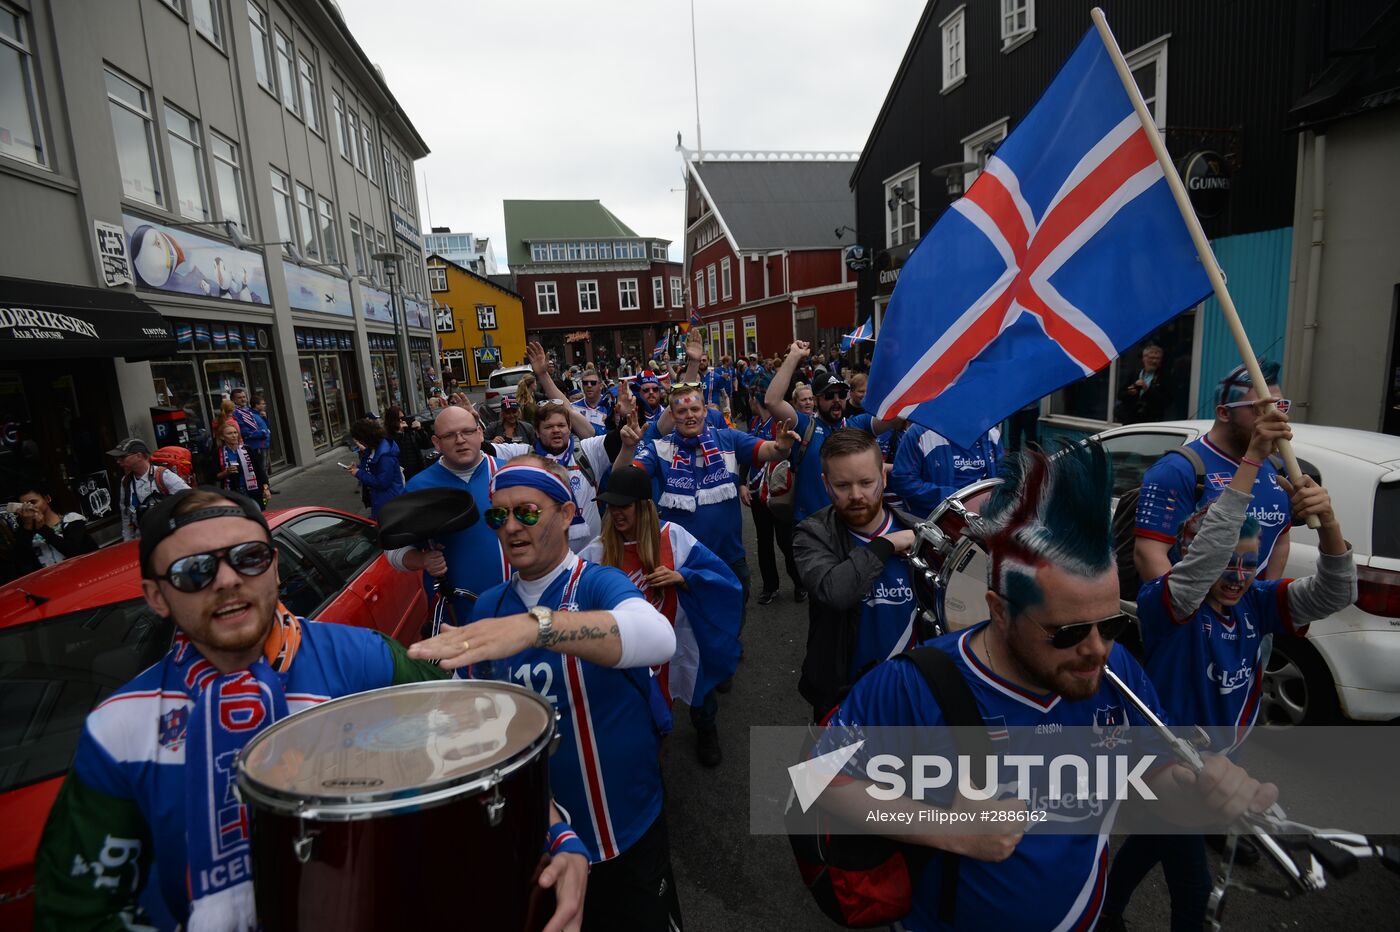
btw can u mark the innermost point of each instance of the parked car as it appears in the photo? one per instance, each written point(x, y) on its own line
point(72, 633)
point(1348, 663)
point(502, 382)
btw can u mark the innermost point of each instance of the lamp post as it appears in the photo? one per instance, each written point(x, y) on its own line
point(391, 262)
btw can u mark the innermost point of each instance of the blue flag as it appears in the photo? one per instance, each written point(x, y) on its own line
point(1066, 250)
point(864, 332)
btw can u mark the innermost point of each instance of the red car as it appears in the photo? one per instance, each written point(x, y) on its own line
point(72, 633)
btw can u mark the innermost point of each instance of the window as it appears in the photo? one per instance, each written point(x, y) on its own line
point(136, 140)
point(437, 279)
point(228, 181)
point(1148, 65)
point(627, 295)
point(282, 205)
point(902, 208)
point(262, 46)
point(306, 223)
point(357, 245)
point(954, 67)
point(658, 252)
point(283, 48)
point(575, 251)
point(658, 292)
point(978, 148)
point(310, 94)
point(345, 544)
point(538, 252)
point(341, 132)
point(1096, 397)
point(590, 250)
point(588, 297)
point(21, 134)
point(391, 178)
point(186, 165)
point(710, 281)
point(638, 251)
point(750, 336)
point(729, 338)
point(556, 252)
point(352, 122)
point(176, 5)
point(371, 267)
point(486, 317)
point(367, 145)
point(1017, 22)
point(330, 238)
point(546, 298)
point(726, 284)
point(303, 587)
point(699, 289)
point(677, 292)
point(207, 21)
point(605, 250)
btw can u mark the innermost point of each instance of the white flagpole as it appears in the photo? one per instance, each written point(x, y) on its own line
point(1198, 236)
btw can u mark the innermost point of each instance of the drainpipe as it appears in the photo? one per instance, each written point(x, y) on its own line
point(1303, 391)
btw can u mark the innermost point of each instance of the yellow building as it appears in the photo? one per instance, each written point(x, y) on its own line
point(488, 321)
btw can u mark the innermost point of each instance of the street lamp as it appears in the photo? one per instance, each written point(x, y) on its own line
point(391, 262)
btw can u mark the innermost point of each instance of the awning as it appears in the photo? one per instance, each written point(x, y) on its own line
point(44, 320)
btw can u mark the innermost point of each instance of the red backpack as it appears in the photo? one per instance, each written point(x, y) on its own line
point(176, 459)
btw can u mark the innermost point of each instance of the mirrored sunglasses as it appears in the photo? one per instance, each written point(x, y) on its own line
point(199, 570)
point(528, 515)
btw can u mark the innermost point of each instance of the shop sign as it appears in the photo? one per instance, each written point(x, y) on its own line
point(578, 336)
point(310, 290)
point(887, 266)
point(405, 230)
point(182, 262)
point(1207, 178)
point(113, 263)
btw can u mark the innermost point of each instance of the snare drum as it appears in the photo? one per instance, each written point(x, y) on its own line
point(950, 567)
point(422, 806)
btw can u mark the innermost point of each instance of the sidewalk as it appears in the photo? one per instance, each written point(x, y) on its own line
point(323, 483)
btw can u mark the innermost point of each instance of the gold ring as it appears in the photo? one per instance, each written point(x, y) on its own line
point(466, 645)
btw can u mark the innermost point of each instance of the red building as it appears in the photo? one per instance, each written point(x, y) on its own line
point(593, 289)
point(763, 251)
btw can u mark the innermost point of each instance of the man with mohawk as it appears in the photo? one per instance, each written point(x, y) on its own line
point(1038, 661)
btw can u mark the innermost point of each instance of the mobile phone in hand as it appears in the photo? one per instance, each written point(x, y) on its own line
point(343, 465)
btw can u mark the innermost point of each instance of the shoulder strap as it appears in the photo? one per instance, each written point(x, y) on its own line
point(806, 436)
point(954, 697)
point(1197, 464)
point(585, 467)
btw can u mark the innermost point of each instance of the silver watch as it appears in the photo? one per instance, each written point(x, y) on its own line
point(545, 618)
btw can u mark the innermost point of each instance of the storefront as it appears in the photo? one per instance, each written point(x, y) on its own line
point(421, 354)
point(327, 362)
point(212, 360)
point(60, 402)
point(384, 368)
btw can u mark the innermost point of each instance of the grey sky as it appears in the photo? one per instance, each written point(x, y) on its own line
point(565, 99)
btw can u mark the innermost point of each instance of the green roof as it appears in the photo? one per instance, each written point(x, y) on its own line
point(556, 220)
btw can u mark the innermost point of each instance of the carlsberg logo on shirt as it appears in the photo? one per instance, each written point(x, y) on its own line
point(1271, 516)
point(882, 594)
point(969, 462)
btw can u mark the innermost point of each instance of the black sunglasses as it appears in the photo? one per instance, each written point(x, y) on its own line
point(832, 394)
point(528, 515)
point(1110, 629)
point(198, 570)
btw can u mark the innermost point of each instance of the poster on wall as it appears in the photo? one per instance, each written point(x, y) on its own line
point(376, 302)
point(310, 290)
point(417, 314)
point(112, 260)
point(94, 494)
point(177, 260)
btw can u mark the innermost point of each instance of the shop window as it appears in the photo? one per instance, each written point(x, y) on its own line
point(23, 136)
point(311, 394)
point(1098, 397)
point(129, 106)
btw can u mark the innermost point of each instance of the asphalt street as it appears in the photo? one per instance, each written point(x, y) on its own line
point(730, 879)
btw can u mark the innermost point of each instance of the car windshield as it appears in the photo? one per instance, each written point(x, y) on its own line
point(53, 672)
point(1385, 521)
point(508, 379)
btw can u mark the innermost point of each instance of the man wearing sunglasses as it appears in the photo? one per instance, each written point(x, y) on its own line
point(929, 467)
point(152, 781)
point(831, 395)
point(1037, 668)
point(1172, 489)
point(594, 405)
point(583, 637)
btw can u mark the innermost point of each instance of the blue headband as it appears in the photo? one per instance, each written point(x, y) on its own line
point(534, 477)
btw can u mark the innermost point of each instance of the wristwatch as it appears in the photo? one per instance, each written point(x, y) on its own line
point(545, 618)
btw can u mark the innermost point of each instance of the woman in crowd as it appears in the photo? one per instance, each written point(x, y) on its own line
point(513, 427)
point(378, 469)
point(408, 435)
point(233, 464)
point(43, 536)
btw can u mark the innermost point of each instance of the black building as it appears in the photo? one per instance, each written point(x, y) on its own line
point(1219, 79)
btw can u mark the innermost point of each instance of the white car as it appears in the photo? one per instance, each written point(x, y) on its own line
point(1350, 662)
point(502, 382)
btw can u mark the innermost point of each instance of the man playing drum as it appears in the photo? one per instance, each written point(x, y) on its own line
point(153, 776)
point(584, 637)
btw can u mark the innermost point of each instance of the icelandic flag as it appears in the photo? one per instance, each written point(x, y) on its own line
point(1066, 250)
point(662, 346)
point(864, 332)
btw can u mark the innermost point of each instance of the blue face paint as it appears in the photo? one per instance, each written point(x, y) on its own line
point(1241, 568)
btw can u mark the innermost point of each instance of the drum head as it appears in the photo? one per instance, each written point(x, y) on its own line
point(415, 518)
point(396, 743)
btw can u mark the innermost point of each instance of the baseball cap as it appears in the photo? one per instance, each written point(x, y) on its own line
point(508, 402)
point(626, 485)
point(128, 446)
point(825, 380)
point(160, 521)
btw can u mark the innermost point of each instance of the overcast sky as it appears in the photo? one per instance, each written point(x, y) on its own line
point(583, 98)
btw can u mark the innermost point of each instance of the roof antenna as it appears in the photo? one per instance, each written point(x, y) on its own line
point(427, 201)
point(695, 72)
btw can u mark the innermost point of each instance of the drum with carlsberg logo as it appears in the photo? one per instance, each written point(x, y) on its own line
point(422, 806)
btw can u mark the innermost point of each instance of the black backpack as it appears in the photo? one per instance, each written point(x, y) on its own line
point(866, 881)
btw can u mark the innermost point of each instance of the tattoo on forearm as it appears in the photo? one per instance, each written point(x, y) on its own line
point(586, 633)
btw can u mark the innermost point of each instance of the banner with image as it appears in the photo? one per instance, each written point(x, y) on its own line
point(418, 314)
point(310, 290)
point(182, 261)
point(377, 304)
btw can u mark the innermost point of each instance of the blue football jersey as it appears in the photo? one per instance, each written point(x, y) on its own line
point(887, 610)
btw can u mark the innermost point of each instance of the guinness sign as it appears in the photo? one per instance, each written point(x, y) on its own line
point(887, 266)
point(1207, 178)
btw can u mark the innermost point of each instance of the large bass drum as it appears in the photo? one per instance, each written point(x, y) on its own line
point(949, 562)
point(422, 806)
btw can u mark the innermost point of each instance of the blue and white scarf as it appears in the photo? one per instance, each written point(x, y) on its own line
point(229, 711)
point(685, 490)
point(565, 458)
